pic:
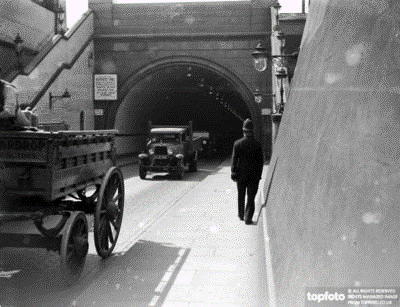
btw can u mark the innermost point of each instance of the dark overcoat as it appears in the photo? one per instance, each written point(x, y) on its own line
point(247, 159)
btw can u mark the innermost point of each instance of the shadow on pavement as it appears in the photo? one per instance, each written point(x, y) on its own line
point(140, 277)
point(36, 277)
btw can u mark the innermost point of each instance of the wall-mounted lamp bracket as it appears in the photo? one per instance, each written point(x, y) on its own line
point(18, 51)
point(59, 20)
point(260, 56)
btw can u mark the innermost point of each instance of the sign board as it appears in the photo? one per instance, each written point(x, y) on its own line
point(105, 87)
point(265, 111)
point(23, 149)
point(98, 112)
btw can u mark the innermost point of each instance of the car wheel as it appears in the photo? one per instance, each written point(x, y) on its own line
point(193, 163)
point(142, 172)
point(180, 171)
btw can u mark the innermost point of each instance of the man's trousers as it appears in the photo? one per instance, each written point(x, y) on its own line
point(251, 188)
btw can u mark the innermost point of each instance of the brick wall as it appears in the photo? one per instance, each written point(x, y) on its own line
point(34, 23)
point(128, 37)
point(64, 66)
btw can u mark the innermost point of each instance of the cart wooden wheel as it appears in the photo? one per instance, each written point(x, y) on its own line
point(108, 212)
point(74, 248)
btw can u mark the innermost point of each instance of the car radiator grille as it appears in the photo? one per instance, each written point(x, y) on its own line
point(160, 150)
point(161, 162)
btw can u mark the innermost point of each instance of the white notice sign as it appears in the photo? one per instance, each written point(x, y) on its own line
point(105, 87)
point(265, 111)
point(98, 112)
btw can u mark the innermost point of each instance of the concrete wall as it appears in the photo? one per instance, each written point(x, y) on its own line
point(333, 209)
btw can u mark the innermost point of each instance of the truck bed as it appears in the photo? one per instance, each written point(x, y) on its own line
point(51, 165)
point(196, 142)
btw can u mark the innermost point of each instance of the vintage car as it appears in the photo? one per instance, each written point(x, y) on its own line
point(170, 149)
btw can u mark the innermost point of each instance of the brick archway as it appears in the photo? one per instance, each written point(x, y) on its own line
point(164, 63)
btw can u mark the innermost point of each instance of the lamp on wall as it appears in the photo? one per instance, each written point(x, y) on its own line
point(282, 38)
point(59, 20)
point(276, 5)
point(90, 60)
point(280, 74)
point(66, 94)
point(261, 53)
point(18, 51)
point(261, 57)
point(258, 95)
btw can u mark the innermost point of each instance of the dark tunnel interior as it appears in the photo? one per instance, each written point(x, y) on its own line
point(183, 93)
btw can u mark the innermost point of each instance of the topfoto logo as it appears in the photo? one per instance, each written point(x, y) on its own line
point(323, 297)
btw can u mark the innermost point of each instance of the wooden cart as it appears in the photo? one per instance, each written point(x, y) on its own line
point(71, 174)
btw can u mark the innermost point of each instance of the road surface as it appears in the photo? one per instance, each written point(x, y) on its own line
point(31, 277)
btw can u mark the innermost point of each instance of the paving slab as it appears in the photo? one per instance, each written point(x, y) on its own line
point(222, 259)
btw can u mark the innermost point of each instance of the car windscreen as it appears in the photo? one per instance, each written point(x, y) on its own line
point(171, 138)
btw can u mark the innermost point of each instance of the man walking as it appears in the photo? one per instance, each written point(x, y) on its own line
point(246, 170)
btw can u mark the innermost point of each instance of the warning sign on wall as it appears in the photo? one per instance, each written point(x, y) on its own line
point(105, 87)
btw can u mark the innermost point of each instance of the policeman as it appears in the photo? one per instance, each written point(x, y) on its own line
point(246, 170)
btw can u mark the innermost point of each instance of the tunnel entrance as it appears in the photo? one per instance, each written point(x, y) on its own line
point(176, 91)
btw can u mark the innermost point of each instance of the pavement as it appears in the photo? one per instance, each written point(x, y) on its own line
point(219, 260)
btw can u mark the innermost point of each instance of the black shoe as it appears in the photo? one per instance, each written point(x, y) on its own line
point(241, 218)
point(249, 222)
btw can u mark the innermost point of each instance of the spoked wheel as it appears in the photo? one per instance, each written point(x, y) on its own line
point(74, 248)
point(108, 212)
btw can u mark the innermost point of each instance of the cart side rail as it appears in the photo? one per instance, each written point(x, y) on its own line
point(52, 165)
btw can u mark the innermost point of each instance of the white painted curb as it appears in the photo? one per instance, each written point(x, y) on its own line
point(268, 259)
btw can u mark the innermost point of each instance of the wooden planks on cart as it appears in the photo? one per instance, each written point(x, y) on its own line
point(51, 165)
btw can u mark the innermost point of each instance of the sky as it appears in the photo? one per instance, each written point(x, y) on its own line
point(75, 8)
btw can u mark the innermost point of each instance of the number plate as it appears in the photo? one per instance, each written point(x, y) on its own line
point(160, 157)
